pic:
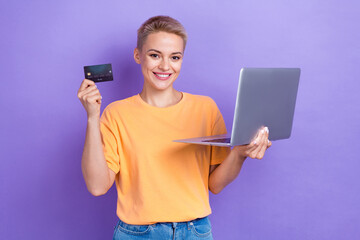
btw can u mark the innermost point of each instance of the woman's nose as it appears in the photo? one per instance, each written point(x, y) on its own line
point(164, 65)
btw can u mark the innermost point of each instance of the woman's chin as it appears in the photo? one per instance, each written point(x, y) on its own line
point(162, 86)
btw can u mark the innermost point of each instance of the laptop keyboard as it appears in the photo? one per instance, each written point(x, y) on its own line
point(219, 140)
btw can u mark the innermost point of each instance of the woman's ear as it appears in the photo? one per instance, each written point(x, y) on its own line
point(137, 56)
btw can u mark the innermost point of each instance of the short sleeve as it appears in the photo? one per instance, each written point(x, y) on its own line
point(110, 139)
point(218, 154)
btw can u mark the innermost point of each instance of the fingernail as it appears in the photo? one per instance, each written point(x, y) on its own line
point(262, 130)
point(267, 129)
point(254, 142)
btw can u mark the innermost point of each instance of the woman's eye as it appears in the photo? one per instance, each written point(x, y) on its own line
point(175, 58)
point(154, 55)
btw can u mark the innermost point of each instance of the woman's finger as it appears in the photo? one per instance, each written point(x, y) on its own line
point(87, 98)
point(94, 98)
point(250, 148)
point(86, 91)
point(258, 144)
point(92, 93)
point(253, 145)
point(85, 83)
point(265, 142)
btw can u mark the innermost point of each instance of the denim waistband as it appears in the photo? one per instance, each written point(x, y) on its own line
point(170, 224)
point(175, 224)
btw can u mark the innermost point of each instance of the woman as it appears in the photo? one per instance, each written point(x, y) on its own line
point(162, 185)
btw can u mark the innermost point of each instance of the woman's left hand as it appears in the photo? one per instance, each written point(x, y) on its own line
point(257, 147)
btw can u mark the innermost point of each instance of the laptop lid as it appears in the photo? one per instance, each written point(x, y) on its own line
point(265, 97)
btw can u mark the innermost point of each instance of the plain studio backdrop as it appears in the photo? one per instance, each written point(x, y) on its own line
point(306, 187)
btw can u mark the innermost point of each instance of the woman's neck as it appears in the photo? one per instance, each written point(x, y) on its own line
point(162, 98)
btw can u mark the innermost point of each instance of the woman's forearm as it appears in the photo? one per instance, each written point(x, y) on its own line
point(229, 169)
point(93, 164)
point(226, 172)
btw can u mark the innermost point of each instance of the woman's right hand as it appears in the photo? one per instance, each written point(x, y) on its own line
point(90, 98)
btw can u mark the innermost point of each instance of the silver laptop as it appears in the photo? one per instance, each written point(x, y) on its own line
point(265, 97)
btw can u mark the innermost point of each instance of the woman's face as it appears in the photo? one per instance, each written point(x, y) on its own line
point(160, 59)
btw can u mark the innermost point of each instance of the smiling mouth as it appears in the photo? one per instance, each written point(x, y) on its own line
point(162, 76)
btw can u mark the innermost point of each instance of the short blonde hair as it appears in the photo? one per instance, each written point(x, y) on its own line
point(160, 24)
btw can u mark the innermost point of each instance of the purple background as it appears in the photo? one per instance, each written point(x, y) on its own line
point(306, 187)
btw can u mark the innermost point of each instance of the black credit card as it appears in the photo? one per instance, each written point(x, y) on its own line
point(99, 73)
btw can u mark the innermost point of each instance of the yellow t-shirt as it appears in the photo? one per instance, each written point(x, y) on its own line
point(159, 180)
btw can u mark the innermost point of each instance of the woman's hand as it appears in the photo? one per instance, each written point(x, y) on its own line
point(90, 98)
point(257, 147)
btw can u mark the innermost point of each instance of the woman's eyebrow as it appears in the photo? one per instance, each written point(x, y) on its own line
point(153, 50)
point(160, 52)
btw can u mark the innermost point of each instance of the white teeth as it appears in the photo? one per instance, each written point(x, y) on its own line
point(163, 75)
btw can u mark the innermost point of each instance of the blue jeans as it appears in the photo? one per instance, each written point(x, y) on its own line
point(196, 229)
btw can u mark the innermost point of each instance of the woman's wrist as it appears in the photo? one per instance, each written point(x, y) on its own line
point(240, 152)
point(93, 119)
